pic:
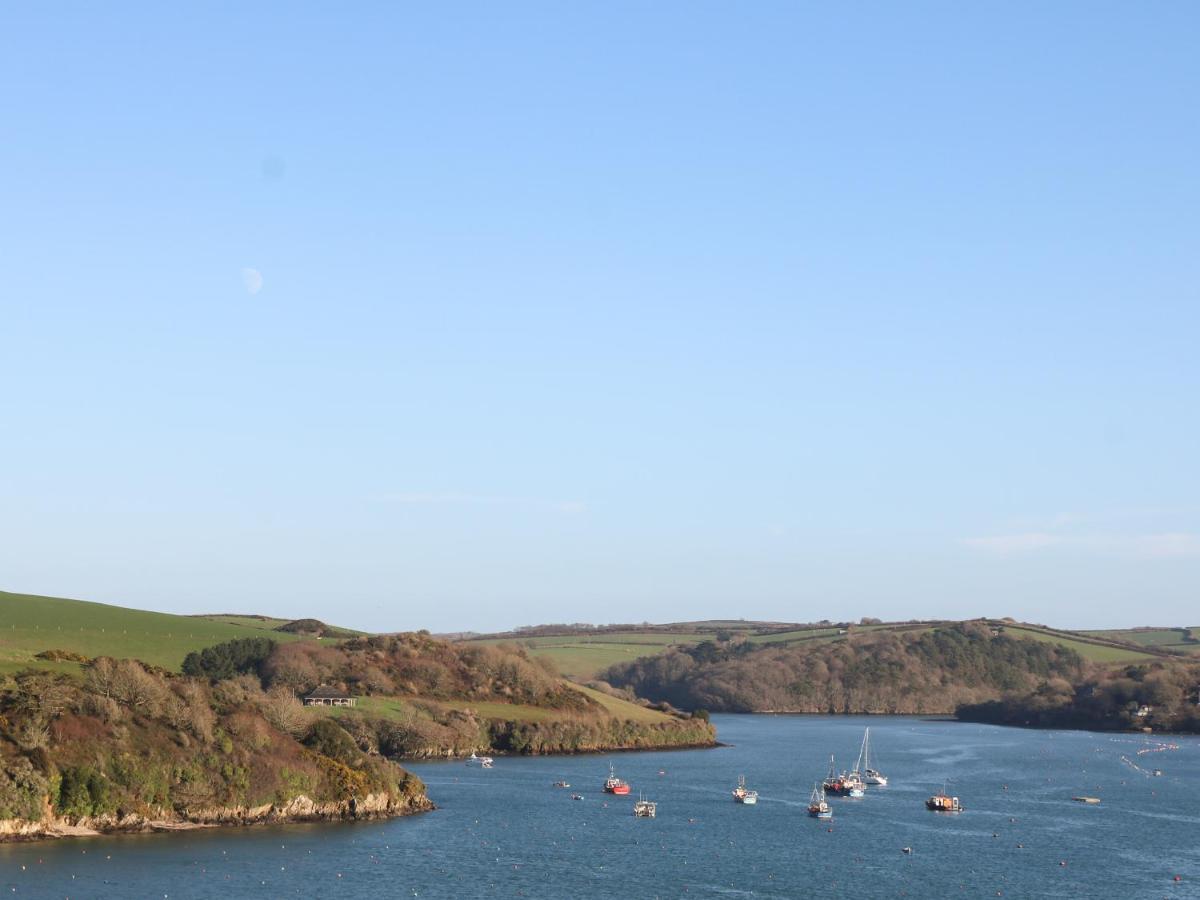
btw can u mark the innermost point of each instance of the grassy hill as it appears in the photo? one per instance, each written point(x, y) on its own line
point(403, 708)
point(30, 624)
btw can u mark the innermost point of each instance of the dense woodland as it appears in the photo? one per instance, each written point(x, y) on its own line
point(1167, 694)
point(930, 672)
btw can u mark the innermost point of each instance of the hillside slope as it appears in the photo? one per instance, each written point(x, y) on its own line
point(417, 696)
point(130, 749)
point(927, 671)
point(31, 624)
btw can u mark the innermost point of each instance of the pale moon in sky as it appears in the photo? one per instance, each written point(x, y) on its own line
point(253, 280)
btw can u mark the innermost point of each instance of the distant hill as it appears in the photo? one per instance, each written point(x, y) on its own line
point(585, 652)
point(882, 671)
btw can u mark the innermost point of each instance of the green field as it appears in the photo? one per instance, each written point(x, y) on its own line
point(403, 708)
point(623, 709)
point(262, 623)
point(1159, 638)
point(30, 624)
point(796, 636)
point(1092, 652)
point(395, 708)
point(584, 656)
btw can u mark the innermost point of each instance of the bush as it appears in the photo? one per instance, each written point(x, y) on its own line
point(221, 661)
point(21, 791)
point(330, 739)
point(83, 792)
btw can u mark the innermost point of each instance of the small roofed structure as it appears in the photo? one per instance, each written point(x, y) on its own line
point(328, 696)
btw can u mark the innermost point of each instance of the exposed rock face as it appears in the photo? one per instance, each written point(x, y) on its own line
point(298, 809)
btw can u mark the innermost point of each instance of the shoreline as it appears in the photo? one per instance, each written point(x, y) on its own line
point(300, 810)
point(505, 754)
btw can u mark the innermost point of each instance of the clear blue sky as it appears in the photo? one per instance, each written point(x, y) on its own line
point(473, 315)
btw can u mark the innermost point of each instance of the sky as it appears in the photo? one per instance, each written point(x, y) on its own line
point(467, 316)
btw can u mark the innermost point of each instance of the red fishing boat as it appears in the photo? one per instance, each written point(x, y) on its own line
point(613, 784)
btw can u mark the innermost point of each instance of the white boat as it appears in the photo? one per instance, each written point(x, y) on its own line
point(742, 795)
point(645, 809)
point(484, 762)
point(870, 775)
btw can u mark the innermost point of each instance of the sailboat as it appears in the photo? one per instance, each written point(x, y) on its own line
point(818, 808)
point(742, 795)
point(852, 781)
point(870, 775)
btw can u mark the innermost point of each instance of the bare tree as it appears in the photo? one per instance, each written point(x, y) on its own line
point(136, 688)
point(285, 712)
point(100, 676)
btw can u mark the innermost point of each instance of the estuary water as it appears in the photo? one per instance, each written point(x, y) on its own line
point(507, 832)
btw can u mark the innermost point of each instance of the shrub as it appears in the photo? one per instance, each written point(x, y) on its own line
point(221, 661)
point(83, 792)
point(328, 738)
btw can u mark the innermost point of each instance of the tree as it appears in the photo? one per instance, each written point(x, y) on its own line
point(236, 657)
point(285, 712)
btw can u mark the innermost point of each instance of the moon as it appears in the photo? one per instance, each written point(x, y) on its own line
point(252, 280)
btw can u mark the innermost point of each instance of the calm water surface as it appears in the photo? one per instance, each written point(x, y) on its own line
point(508, 833)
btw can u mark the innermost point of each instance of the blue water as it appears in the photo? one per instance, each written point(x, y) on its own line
point(508, 833)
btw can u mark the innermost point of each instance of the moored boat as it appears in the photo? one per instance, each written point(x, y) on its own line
point(833, 781)
point(943, 802)
point(742, 795)
point(818, 808)
point(484, 762)
point(645, 809)
point(613, 784)
point(871, 775)
point(847, 784)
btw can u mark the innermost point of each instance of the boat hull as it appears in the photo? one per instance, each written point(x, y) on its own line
point(619, 789)
point(943, 804)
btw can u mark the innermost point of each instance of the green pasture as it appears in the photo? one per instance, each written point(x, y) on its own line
point(30, 624)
